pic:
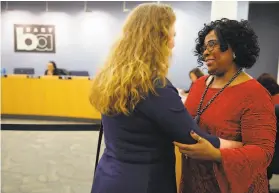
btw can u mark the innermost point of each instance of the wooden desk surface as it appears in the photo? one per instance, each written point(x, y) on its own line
point(47, 96)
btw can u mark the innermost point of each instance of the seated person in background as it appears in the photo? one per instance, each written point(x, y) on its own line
point(270, 83)
point(52, 70)
point(194, 75)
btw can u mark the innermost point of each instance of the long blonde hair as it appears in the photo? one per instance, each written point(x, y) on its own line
point(139, 58)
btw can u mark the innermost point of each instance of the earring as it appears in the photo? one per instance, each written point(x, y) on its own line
point(234, 56)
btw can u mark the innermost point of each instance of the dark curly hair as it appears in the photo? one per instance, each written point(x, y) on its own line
point(270, 83)
point(238, 35)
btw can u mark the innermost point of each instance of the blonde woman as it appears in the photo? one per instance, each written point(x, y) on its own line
point(142, 113)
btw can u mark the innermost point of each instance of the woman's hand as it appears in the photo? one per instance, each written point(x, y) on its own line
point(203, 149)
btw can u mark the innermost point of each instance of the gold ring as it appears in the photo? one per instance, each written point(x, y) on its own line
point(199, 139)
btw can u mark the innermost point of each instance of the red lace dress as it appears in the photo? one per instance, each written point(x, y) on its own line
point(244, 113)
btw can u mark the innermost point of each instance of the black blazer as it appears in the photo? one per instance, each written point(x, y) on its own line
point(57, 72)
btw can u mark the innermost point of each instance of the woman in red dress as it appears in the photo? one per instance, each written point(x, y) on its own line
point(231, 105)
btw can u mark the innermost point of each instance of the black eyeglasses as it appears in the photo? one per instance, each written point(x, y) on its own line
point(209, 46)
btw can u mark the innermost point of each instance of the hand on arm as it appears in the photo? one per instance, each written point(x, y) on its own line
point(204, 150)
point(201, 150)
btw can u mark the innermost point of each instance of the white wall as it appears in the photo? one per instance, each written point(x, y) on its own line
point(220, 9)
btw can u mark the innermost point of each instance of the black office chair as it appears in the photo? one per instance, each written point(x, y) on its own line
point(63, 71)
point(29, 71)
point(79, 73)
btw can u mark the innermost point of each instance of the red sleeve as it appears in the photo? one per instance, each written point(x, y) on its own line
point(242, 165)
point(275, 99)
